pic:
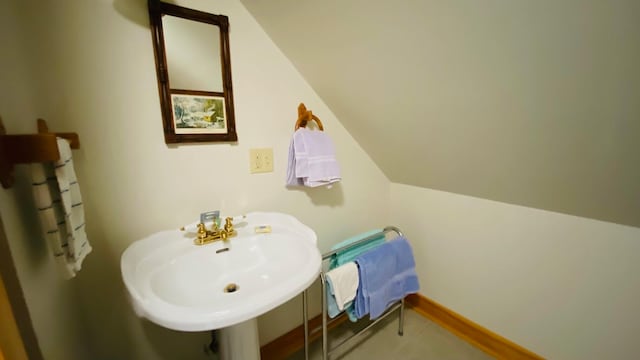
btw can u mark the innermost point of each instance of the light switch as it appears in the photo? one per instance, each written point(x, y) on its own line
point(261, 160)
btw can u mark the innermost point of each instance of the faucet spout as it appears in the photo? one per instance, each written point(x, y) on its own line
point(215, 234)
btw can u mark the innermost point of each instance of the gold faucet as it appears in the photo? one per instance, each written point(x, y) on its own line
point(215, 234)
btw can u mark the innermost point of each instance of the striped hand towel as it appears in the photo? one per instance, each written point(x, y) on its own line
point(57, 197)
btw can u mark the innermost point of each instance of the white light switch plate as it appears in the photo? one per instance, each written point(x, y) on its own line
point(260, 160)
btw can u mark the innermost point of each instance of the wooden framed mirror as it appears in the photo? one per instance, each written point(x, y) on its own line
point(193, 66)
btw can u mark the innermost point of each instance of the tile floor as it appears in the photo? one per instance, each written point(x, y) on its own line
point(422, 340)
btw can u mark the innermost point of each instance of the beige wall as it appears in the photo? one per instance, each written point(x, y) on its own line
point(96, 76)
point(526, 102)
point(50, 300)
point(559, 285)
point(562, 286)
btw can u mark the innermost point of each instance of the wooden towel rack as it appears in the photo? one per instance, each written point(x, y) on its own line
point(304, 116)
point(31, 148)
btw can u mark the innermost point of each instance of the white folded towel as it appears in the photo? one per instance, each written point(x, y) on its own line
point(57, 197)
point(343, 280)
point(312, 159)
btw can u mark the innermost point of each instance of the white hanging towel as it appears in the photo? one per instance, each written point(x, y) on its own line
point(343, 281)
point(312, 159)
point(57, 197)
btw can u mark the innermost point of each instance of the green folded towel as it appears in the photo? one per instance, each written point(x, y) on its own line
point(345, 256)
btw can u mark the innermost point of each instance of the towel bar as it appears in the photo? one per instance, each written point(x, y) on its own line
point(326, 352)
point(31, 148)
point(304, 116)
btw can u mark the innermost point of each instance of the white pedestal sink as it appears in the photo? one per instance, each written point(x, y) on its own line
point(181, 286)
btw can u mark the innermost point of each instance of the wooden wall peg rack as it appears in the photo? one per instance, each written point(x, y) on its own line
point(30, 148)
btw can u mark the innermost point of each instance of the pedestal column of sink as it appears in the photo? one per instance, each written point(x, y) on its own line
point(240, 341)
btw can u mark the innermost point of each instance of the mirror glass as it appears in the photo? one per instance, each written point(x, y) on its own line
point(193, 54)
point(193, 67)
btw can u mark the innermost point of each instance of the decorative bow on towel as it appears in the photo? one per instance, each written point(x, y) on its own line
point(57, 197)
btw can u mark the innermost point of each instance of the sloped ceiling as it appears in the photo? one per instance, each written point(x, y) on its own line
point(534, 103)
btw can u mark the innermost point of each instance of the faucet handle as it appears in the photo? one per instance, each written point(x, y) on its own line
point(228, 225)
point(202, 232)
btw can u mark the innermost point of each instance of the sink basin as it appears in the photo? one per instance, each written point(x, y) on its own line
point(183, 286)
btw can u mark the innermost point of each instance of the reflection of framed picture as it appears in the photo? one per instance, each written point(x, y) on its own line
point(198, 114)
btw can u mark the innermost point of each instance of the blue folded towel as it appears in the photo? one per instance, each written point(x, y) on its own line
point(344, 257)
point(387, 274)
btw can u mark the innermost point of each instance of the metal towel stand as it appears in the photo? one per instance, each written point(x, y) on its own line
point(326, 352)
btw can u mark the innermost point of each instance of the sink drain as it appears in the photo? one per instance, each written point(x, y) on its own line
point(231, 288)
